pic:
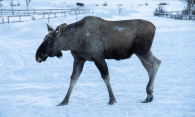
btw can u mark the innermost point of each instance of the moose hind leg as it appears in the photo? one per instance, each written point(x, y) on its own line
point(102, 66)
point(151, 64)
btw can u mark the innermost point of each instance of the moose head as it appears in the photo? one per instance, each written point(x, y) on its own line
point(50, 45)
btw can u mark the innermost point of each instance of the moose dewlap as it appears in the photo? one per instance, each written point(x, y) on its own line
point(95, 39)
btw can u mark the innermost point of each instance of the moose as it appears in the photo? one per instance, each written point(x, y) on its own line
point(95, 39)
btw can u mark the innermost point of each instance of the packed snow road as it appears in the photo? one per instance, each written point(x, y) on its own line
point(30, 89)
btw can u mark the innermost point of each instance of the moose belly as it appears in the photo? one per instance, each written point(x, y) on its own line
point(118, 54)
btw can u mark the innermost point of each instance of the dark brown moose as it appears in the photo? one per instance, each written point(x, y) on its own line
point(95, 39)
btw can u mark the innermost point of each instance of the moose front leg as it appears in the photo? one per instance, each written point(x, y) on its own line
point(77, 69)
point(102, 66)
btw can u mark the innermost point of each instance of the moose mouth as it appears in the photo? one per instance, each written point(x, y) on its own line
point(41, 59)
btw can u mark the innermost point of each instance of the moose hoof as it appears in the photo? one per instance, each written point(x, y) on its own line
point(111, 102)
point(148, 99)
point(62, 104)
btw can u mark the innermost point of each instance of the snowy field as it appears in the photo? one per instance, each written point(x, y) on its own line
point(30, 89)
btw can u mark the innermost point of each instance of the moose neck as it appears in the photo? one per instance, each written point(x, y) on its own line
point(68, 38)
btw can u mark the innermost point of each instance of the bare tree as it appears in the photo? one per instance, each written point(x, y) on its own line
point(27, 3)
point(190, 5)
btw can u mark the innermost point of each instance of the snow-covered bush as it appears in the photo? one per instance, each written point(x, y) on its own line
point(185, 11)
point(159, 9)
point(104, 4)
point(193, 11)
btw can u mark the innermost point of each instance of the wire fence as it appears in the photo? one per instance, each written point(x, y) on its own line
point(175, 15)
point(9, 16)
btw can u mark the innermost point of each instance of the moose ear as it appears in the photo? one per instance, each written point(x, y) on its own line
point(49, 28)
point(61, 27)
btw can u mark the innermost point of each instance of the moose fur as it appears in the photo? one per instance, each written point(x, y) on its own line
point(95, 39)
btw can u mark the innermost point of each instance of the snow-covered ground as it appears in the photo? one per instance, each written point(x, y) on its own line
point(30, 89)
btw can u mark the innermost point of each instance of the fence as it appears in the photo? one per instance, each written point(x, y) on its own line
point(175, 15)
point(16, 15)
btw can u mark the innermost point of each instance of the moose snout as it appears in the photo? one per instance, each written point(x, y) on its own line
point(38, 59)
point(41, 57)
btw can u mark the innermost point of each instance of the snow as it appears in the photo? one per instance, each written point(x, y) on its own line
point(30, 89)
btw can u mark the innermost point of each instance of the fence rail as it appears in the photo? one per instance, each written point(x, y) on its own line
point(175, 15)
point(6, 15)
point(5, 12)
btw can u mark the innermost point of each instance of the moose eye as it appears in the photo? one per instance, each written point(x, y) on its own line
point(49, 41)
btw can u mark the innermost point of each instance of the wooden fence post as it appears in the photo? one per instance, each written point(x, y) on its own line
point(8, 19)
point(3, 20)
point(20, 18)
point(76, 15)
point(48, 18)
